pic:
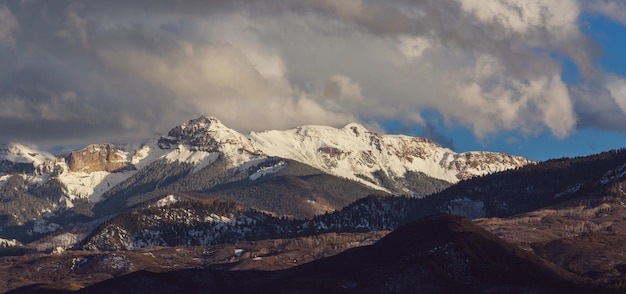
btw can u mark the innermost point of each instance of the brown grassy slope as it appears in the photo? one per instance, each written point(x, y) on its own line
point(73, 269)
point(441, 254)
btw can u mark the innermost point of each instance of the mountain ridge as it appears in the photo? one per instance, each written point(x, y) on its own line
point(326, 169)
point(352, 152)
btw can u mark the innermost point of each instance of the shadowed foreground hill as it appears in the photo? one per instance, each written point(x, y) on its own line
point(438, 254)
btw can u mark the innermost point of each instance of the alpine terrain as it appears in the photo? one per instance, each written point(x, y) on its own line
point(296, 173)
point(311, 208)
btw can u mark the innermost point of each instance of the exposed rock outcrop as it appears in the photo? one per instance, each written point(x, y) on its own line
point(98, 157)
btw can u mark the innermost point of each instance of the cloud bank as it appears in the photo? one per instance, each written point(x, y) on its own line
point(81, 71)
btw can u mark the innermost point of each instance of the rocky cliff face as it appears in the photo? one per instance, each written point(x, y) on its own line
point(98, 157)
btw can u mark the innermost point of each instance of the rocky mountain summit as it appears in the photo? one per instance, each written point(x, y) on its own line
point(206, 134)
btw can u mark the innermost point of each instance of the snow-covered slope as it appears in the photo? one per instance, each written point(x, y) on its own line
point(354, 152)
point(199, 140)
point(20, 158)
point(4, 243)
point(20, 153)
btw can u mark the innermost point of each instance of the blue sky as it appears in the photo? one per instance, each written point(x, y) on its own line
point(540, 147)
point(611, 37)
point(541, 79)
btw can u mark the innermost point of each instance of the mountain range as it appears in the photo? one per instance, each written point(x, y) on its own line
point(315, 169)
point(205, 185)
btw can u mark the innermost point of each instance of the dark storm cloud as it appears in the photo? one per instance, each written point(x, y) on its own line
point(597, 108)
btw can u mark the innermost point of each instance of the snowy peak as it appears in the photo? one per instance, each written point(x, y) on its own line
point(389, 163)
point(205, 134)
point(201, 141)
point(356, 153)
point(356, 129)
point(20, 158)
point(19, 153)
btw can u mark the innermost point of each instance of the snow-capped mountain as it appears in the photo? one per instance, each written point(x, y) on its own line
point(299, 172)
point(354, 152)
point(200, 141)
point(378, 161)
point(381, 162)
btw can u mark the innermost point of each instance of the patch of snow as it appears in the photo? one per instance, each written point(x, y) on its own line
point(77, 262)
point(268, 170)
point(238, 252)
point(117, 262)
point(58, 250)
point(91, 186)
point(8, 243)
point(42, 226)
point(147, 153)
point(206, 161)
point(467, 207)
point(251, 163)
point(183, 154)
point(4, 179)
point(64, 240)
point(612, 175)
point(569, 190)
point(65, 202)
point(217, 218)
point(36, 181)
point(167, 200)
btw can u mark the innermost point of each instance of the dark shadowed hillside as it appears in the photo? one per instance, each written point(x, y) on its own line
point(439, 254)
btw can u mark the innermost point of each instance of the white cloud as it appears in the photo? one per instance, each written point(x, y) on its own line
point(490, 101)
point(248, 90)
point(617, 87)
point(342, 87)
point(614, 9)
point(8, 26)
point(412, 47)
point(526, 16)
point(487, 65)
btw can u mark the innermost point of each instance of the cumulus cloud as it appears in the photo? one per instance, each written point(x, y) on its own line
point(342, 87)
point(95, 69)
point(614, 9)
point(617, 88)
